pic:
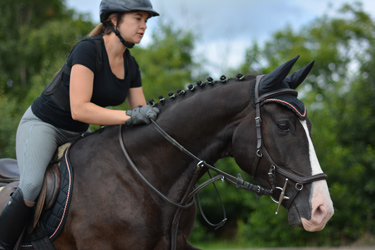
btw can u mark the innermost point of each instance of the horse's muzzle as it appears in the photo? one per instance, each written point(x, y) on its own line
point(320, 213)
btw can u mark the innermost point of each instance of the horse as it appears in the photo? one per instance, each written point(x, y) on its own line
point(134, 187)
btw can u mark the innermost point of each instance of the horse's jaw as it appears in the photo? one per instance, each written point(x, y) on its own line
point(321, 210)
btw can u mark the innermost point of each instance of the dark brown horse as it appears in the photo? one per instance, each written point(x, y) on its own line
point(258, 121)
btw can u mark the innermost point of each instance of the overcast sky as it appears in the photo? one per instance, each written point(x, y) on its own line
point(226, 28)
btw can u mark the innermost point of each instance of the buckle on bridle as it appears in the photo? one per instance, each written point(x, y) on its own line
point(282, 196)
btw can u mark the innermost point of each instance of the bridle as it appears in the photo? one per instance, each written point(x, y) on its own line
point(262, 151)
point(187, 200)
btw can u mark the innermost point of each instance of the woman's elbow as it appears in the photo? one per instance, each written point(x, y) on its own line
point(76, 113)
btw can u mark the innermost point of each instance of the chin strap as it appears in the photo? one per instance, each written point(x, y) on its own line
point(127, 44)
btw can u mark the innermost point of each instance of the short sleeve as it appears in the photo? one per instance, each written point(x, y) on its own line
point(84, 54)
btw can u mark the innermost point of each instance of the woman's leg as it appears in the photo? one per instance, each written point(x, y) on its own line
point(35, 145)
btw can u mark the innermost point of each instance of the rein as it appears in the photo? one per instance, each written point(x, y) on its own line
point(237, 181)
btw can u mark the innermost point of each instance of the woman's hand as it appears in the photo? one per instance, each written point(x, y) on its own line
point(141, 115)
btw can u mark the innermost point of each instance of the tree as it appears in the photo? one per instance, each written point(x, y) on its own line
point(19, 20)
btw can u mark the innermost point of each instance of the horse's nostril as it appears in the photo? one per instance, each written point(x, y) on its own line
point(319, 214)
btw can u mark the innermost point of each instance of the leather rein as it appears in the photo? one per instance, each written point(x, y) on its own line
point(237, 181)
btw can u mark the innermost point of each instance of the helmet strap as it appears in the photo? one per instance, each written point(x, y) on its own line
point(127, 44)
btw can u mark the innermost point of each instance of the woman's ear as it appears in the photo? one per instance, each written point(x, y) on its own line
point(114, 21)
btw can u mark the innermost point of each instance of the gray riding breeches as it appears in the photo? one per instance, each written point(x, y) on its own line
point(36, 142)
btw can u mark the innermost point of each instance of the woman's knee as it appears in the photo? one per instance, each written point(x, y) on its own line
point(31, 188)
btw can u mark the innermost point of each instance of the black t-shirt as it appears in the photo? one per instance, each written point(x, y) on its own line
point(108, 90)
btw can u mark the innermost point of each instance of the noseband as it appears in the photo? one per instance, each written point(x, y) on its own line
point(262, 151)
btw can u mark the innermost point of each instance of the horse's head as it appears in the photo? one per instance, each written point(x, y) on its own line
point(284, 159)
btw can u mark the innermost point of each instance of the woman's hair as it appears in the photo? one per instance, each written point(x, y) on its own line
point(103, 29)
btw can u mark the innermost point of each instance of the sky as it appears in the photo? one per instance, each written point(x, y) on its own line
point(226, 28)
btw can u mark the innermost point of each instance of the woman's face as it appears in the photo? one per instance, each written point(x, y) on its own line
point(133, 26)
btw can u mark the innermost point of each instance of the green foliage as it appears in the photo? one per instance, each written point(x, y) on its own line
point(8, 126)
point(18, 19)
point(52, 41)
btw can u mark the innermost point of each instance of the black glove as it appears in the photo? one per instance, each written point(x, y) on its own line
point(142, 114)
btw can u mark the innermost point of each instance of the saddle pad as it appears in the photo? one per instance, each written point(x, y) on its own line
point(53, 220)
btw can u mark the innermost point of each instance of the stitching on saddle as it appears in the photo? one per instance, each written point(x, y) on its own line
point(287, 103)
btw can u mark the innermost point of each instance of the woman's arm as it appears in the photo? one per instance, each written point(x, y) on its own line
point(136, 97)
point(83, 110)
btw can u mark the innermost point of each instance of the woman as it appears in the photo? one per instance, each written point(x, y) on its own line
point(77, 97)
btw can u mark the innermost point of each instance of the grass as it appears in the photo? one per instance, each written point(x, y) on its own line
point(216, 245)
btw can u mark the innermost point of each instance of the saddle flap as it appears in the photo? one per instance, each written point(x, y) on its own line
point(48, 194)
point(53, 184)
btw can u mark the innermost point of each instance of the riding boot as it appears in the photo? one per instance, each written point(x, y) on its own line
point(13, 220)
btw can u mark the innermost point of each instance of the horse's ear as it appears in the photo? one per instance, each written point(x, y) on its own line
point(297, 77)
point(274, 78)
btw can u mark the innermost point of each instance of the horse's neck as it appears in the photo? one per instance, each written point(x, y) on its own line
point(204, 122)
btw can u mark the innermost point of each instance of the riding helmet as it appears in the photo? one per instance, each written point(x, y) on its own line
point(115, 6)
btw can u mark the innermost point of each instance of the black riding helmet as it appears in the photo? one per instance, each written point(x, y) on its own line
point(108, 7)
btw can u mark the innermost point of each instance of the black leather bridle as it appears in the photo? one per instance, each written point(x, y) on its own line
point(262, 151)
point(187, 200)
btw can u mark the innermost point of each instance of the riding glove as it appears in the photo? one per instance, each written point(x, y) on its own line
point(142, 114)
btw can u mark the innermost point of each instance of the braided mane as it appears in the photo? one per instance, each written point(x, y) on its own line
point(192, 88)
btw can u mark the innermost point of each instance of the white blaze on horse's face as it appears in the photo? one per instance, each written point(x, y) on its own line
point(321, 203)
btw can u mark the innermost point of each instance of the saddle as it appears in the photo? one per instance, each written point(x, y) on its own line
point(9, 181)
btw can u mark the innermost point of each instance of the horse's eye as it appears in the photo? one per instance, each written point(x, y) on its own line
point(283, 125)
